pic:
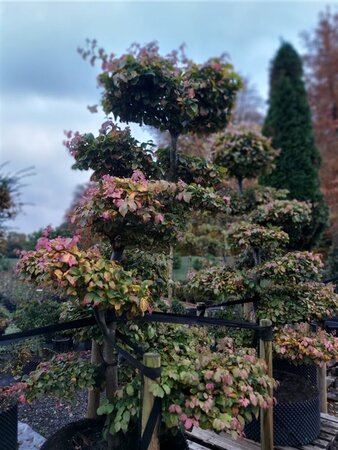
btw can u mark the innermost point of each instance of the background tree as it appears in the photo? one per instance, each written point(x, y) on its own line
point(288, 123)
point(10, 193)
point(248, 107)
point(321, 68)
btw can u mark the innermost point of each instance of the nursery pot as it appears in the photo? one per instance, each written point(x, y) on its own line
point(62, 344)
point(308, 371)
point(296, 417)
point(87, 435)
point(9, 428)
point(31, 365)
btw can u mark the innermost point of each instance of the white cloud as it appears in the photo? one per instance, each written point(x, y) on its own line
point(30, 138)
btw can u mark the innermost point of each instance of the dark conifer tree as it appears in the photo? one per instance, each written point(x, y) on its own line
point(288, 123)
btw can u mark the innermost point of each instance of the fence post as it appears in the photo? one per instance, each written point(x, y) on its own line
point(200, 310)
point(322, 388)
point(170, 263)
point(152, 360)
point(265, 350)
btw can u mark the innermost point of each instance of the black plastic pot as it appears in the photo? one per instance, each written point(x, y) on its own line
point(31, 365)
point(9, 428)
point(62, 344)
point(86, 434)
point(309, 372)
point(295, 422)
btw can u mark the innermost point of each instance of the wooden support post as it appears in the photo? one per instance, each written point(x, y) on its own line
point(150, 360)
point(322, 388)
point(200, 309)
point(170, 273)
point(265, 349)
point(247, 311)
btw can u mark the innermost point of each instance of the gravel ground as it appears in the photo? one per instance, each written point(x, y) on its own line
point(47, 416)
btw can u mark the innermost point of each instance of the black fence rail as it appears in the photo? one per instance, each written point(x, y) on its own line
point(264, 332)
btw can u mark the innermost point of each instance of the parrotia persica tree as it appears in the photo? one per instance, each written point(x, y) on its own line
point(287, 285)
point(288, 123)
point(245, 154)
point(125, 205)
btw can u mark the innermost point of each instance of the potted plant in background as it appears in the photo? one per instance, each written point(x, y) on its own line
point(286, 285)
point(9, 397)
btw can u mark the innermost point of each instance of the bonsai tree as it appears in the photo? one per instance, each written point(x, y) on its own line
point(147, 213)
point(245, 154)
point(286, 284)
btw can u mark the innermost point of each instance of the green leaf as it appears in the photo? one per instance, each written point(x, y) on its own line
point(130, 390)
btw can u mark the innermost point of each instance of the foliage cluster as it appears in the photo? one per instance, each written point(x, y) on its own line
point(85, 276)
point(121, 153)
point(301, 346)
point(168, 95)
point(194, 381)
point(61, 376)
point(192, 169)
point(245, 154)
point(138, 209)
point(37, 313)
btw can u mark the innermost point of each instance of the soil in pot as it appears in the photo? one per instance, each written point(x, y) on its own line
point(86, 434)
point(296, 417)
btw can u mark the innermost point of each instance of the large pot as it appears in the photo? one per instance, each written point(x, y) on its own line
point(296, 417)
point(86, 434)
point(62, 344)
point(9, 428)
point(31, 365)
point(303, 370)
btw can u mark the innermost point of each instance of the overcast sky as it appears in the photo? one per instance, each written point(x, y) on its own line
point(45, 86)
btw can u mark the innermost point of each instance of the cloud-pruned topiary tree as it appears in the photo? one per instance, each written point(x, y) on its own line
point(134, 210)
point(245, 154)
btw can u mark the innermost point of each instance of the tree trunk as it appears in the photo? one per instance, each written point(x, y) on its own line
point(240, 185)
point(172, 175)
point(249, 308)
point(110, 356)
point(170, 273)
point(118, 249)
point(94, 393)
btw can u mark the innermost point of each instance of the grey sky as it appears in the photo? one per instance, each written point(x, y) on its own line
point(45, 86)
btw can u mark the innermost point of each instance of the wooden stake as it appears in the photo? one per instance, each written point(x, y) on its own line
point(170, 273)
point(94, 393)
point(200, 308)
point(150, 360)
point(265, 349)
point(322, 388)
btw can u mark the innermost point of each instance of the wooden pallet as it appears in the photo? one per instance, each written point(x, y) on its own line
point(203, 440)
